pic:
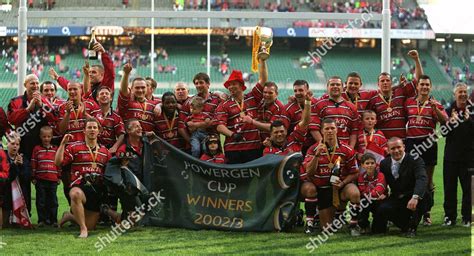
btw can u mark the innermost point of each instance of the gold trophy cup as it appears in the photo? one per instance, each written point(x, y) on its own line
point(265, 36)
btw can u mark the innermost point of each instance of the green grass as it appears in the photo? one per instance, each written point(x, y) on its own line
point(430, 240)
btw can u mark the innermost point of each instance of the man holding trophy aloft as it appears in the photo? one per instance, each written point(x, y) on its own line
point(242, 143)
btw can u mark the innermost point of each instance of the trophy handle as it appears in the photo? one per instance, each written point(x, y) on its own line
point(263, 52)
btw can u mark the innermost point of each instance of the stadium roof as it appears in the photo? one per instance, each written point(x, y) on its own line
point(449, 17)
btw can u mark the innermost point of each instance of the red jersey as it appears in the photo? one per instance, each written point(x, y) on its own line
point(133, 109)
point(323, 172)
point(217, 159)
point(294, 112)
point(4, 167)
point(360, 102)
point(374, 186)
point(270, 113)
point(198, 118)
point(422, 118)
point(393, 123)
point(210, 106)
point(364, 138)
point(228, 114)
point(294, 143)
point(42, 163)
point(77, 120)
point(112, 127)
point(168, 130)
point(344, 113)
point(81, 160)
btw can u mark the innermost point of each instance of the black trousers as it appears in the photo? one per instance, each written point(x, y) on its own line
point(242, 156)
point(452, 171)
point(47, 201)
point(25, 184)
point(395, 210)
point(363, 216)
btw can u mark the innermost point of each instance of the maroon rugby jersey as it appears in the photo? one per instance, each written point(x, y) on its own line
point(294, 112)
point(133, 109)
point(365, 137)
point(210, 106)
point(228, 114)
point(294, 143)
point(270, 113)
point(217, 159)
point(421, 125)
point(323, 172)
point(344, 113)
point(42, 163)
point(112, 127)
point(168, 130)
point(360, 102)
point(372, 186)
point(393, 124)
point(198, 118)
point(56, 102)
point(81, 160)
point(77, 120)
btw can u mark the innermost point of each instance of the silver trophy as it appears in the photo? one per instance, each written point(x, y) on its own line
point(266, 40)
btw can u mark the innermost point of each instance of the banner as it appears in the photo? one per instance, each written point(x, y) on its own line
point(257, 196)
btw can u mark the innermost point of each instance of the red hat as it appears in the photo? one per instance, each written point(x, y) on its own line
point(235, 76)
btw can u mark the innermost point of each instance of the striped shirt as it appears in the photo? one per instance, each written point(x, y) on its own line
point(422, 119)
point(81, 160)
point(217, 159)
point(112, 127)
point(210, 106)
point(364, 138)
point(374, 186)
point(294, 143)
point(228, 114)
point(270, 113)
point(77, 120)
point(42, 163)
point(323, 172)
point(133, 109)
point(56, 102)
point(361, 101)
point(344, 113)
point(294, 112)
point(168, 130)
point(393, 124)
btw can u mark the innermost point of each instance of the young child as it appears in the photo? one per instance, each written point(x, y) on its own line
point(369, 139)
point(213, 152)
point(195, 123)
point(46, 177)
point(371, 184)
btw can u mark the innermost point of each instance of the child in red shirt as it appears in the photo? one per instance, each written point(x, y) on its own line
point(46, 177)
point(371, 185)
point(195, 123)
point(213, 152)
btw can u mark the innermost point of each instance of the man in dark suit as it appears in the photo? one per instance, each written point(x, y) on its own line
point(408, 199)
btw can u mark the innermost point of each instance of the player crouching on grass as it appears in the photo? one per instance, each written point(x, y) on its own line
point(88, 160)
point(321, 162)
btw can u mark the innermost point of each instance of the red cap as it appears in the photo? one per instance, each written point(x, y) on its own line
point(236, 75)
